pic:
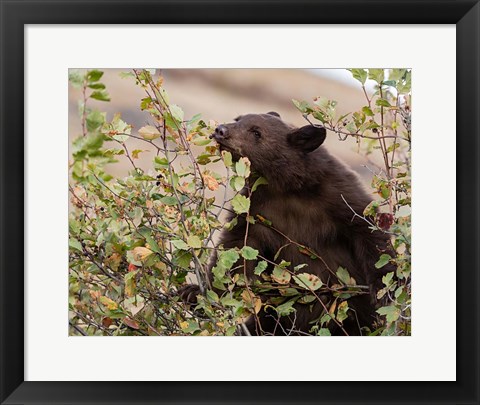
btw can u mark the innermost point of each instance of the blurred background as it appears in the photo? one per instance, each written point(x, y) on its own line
point(223, 94)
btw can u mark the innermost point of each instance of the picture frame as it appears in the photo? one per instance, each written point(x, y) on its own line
point(15, 15)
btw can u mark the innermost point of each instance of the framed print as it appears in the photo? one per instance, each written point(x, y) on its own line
point(125, 284)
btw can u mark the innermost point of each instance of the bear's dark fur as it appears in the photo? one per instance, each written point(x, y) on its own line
point(303, 200)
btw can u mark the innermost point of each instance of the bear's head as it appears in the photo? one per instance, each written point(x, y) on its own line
point(275, 149)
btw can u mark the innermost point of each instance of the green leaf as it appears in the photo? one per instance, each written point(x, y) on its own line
point(401, 295)
point(302, 106)
point(385, 191)
point(249, 253)
point(306, 299)
point(382, 102)
point(201, 141)
point(147, 234)
point(391, 312)
point(75, 78)
point(96, 86)
point(392, 147)
point(160, 163)
point(319, 115)
point(231, 302)
point(259, 182)
point(162, 96)
point(325, 319)
point(120, 127)
point(94, 75)
point(179, 244)
point(182, 258)
point(387, 278)
point(322, 102)
point(324, 332)
point(227, 158)
point(359, 74)
point(376, 74)
point(100, 95)
point(392, 83)
point(300, 266)
point(194, 241)
point(399, 291)
point(169, 200)
point(194, 119)
point(75, 244)
point(286, 308)
point(242, 167)
point(343, 275)
point(350, 127)
point(240, 204)
point(177, 112)
point(384, 259)
point(261, 267)
point(404, 85)
point(212, 296)
point(189, 326)
point(95, 119)
point(308, 281)
point(396, 74)
point(124, 75)
point(281, 276)
point(227, 258)
point(237, 182)
point(367, 111)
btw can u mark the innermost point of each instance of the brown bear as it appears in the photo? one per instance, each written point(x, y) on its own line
point(305, 201)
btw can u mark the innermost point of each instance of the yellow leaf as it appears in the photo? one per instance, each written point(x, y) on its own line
point(331, 311)
point(141, 253)
point(137, 152)
point(210, 182)
point(130, 284)
point(111, 305)
point(114, 261)
point(149, 132)
point(184, 325)
point(249, 298)
point(258, 305)
point(95, 294)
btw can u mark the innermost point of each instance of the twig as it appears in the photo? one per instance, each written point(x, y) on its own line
point(79, 330)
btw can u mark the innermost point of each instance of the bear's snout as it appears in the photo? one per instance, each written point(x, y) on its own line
point(221, 132)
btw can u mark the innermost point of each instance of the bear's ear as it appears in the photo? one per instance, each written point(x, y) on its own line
point(275, 114)
point(307, 138)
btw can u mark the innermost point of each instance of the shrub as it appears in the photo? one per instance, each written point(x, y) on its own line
point(134, 241)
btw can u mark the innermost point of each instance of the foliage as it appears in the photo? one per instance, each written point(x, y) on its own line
point(135, 241)
point(383, 124)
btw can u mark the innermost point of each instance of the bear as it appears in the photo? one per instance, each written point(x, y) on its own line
point(310, 201)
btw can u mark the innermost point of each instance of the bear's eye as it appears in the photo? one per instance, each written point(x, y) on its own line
point(256, 133)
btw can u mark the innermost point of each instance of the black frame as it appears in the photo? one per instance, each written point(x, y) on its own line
point(15, 14)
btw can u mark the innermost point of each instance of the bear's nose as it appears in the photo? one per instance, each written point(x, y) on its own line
point(221, 132)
